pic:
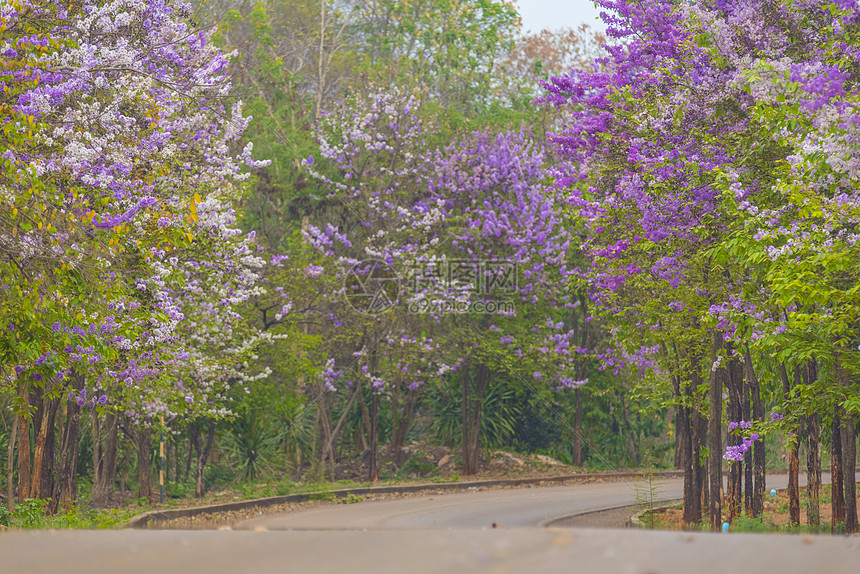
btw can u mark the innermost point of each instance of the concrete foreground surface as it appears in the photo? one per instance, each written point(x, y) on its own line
point(532, 550)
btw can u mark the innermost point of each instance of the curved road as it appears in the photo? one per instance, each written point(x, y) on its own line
point(513, 508)
point(433, 534)
point(516, 508)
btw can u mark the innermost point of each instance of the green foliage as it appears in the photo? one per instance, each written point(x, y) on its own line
point(250, 440)
point(4, 446)
point(285, 487)
point(450, 47)
point(322, 496)
point(31, 514)
point(500, 412)
point(647, 492)
point(350, 499)
point(178, 489)
point(745, 523)
point(415, 465)
point(560, 452)
point(419, 465)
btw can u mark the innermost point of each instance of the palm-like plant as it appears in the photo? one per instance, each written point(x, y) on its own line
point(500, 410)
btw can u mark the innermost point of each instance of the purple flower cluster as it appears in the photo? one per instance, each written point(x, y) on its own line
point(81, 399)
point(330, 375)
point(824, 83)
point(735, 453)
point(740, 425)
point(112, 221)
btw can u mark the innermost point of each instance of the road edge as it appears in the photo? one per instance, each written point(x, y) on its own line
point(153, 517)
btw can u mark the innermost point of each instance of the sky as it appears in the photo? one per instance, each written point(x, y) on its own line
point(540, 14)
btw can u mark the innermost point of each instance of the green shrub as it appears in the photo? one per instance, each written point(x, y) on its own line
point(5, 516)
point(30, 513)
point(418, 465)
point(285, 487)
point(350, 499)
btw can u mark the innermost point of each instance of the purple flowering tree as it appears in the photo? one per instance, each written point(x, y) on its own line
point(476, 241)
point(705, 125)
point(124, 183)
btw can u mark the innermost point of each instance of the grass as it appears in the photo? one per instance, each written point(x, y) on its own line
point(221, 488)
point(31, 514)
point(181, 495)
point(774, 519)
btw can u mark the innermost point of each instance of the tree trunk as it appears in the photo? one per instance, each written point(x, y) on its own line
point(192, 437)
point(746, 413)
point(813, 453)
point(42, 482)
point(373, 461)
point(700, 441)
point(759, 458)
point(46, 485)
point(165, 437)
point(581, 372)
point(576, 454)
point(470, 465)
point(684, 452)
point(715, 447)
point(473, 402)
point(96, 444)
point(404, 421)
point(171, 468)
point(734, 486)
point(849, 485)
point(365, 417)
point(103, 482)
point(66, 485)
point(793, 452)
point(395, 417)
point(143, 442)
point(335, 432)
point(10, 469)
point(692, 510)
point(327, 437)
point(36, 426)
point(202, 458)
point(373, 435)
point(24, 447)
point(482, 378)
point(316, 462)
point(794, 479)
point(680, 429)
point(837, 498)
point(813, 470)
point(635, 452)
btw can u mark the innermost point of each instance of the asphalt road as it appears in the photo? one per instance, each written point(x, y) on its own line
point(517, 508)
point(450, 533)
